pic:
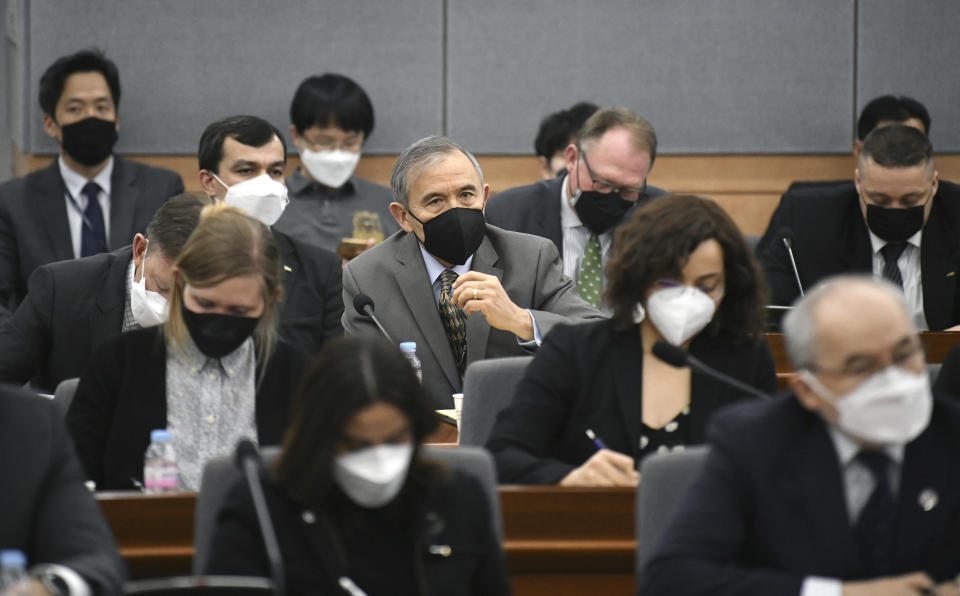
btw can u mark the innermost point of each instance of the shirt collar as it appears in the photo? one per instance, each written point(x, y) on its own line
point(847, 448)
point(877, 243)
point(229, 364)
point(568, 216)
point(435, 267)
point(75, 181)
point(299, 184)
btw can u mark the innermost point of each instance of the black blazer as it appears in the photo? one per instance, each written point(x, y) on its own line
point(769, 509)
point(34, 229)
point(312, 302)
point(45, 510)
point(122, 396)
point(830, 237)
point(454, 514)
point(535, 209)
point(71, 309)
point(591, 376)
point(948, 379)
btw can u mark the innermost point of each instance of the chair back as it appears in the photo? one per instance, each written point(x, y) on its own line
point(63, 395)
point(477, 462)
point(664, 480)
point(488, 388)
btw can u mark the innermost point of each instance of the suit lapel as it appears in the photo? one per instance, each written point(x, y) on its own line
point(50, 193)
point(478, 330)
point(938, 271)
point(857, 253)
point(927, 497)
point(411, 277)
point(123, 202)
point(107, 321)
point(812, 482)
point(628, 381)
point(548, 214)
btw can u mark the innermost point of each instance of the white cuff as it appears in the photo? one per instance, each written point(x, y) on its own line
point(821, 586)
point(76, 585)
point(537, 338)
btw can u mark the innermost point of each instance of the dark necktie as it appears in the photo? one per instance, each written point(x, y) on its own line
point(891, 253)
point(93, 237)
point(454, 320)
point(875, 529)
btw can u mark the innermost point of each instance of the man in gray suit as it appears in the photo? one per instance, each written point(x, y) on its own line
point(462, 289)
point(88, 201)
point(608, 170)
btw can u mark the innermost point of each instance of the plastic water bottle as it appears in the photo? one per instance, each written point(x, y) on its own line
point(160, 464)
point(14, 580)
point(409, 349)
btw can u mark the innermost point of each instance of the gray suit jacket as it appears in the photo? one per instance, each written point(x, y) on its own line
point(34, 229)
point(394, 275)
point(535, 209)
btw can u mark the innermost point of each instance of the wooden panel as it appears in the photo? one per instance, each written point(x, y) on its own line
point(747, 186)
point(557, 540)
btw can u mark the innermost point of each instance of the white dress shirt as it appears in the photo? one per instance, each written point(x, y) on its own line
point(575, 237)
point(76, 202)
point(909, 264)
point(858, 484)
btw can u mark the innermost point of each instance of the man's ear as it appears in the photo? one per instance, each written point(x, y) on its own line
point(807, 397)
point(400, 214)
point(209, 184)
point(139, 250)
point(51, 128)
point(857, 148)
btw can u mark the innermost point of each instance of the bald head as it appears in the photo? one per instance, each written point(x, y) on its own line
point(844, 315)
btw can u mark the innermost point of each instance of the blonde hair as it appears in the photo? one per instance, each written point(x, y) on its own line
point(225, 244)
point(642, 134)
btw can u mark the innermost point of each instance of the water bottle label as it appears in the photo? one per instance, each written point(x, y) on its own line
point(160, 478)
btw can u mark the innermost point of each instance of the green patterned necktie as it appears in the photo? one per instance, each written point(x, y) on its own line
point(589, 283)
point(454, 320)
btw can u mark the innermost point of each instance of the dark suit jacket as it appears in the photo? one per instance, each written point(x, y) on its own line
point(769, 507)
point(72, 308)
point(312, 293)
point(830, 237)
point(34, 229)
point(45, 510)
point(122, 396)
point(535, 209)
point(591, 376)
point(948, 379)
point(454, 514)
point(394, 275)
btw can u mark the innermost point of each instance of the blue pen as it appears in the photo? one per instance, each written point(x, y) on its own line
point(596, 440)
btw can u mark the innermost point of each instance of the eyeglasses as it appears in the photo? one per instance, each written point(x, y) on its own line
point(864, 366)
point(712, 289)
point(630, 193)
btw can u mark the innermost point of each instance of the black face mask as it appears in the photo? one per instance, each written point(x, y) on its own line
point(89, 141)
point(894, 225)
point(454, 235)
point(600, 211)
point(218, 335)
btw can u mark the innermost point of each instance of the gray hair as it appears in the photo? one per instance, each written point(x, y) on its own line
point(799, 325)
point(421, 154)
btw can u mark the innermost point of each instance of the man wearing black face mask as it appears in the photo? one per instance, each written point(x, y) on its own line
point(898, 221)
point(608, 171)
point(462, 289)
point(88, 201)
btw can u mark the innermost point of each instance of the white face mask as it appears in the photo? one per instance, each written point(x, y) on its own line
point(149, 308)
point(679, 313)
point(262, 198)
point(892, 407)
point(373, 477)
point(330, 168)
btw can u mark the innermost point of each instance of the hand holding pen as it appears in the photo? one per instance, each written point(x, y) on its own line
point(603, 468)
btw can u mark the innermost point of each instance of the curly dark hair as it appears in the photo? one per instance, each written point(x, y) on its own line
point(655, 243)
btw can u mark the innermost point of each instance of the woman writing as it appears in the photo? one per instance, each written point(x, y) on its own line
point(214, 373)
point(681, 272)
point(357, 509)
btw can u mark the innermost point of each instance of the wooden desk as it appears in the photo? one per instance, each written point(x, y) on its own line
point(558, 541)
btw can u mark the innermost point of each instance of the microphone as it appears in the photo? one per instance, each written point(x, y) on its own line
point(678, 357)
point(786, 236)
point(248, 460)
point(363, 304)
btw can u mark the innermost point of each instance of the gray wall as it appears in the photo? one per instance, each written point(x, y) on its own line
point(713, 76)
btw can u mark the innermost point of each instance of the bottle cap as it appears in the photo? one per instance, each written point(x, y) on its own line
point(408, 346)
point(12, 558)
point(160, 434)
